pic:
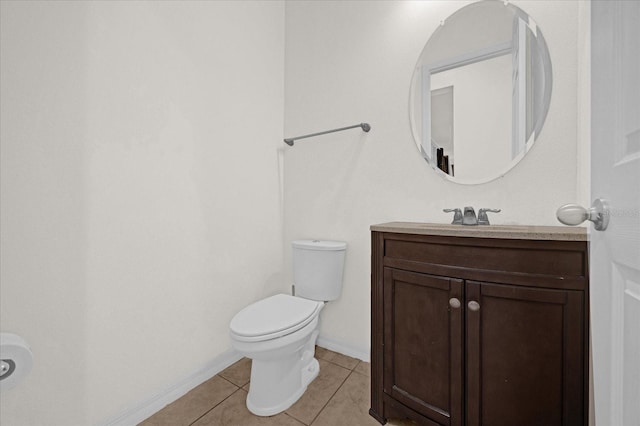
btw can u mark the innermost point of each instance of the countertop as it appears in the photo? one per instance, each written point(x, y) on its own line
point(518, 232)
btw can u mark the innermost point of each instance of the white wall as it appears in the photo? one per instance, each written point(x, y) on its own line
point(43, 291)
point(348, 62)
point(140, 193)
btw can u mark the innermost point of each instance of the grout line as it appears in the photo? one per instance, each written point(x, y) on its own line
point(341, 366)
point(334, 363)
point(210, 409)
point(294, 418)
point(240, 387)
point(361, 374)
point(334, 394)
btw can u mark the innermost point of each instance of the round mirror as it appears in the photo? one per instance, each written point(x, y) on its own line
point(480, 92)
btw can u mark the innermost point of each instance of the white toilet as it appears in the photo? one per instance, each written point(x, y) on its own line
point(279, 333)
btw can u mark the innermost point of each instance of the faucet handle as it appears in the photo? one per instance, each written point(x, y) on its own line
point(483, 219)
point(457, 215)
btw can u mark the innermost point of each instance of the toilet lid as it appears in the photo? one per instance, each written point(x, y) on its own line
point(274, 316)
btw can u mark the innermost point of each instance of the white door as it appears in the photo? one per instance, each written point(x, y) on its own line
point(615, 177)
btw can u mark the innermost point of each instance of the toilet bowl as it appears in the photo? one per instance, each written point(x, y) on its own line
point(279, 333)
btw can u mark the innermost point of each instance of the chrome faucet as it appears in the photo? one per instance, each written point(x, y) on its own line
point(469, 217)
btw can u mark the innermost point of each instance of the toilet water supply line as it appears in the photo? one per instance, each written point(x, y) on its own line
point(365, 127)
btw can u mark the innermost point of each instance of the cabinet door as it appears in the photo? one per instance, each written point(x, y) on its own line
point(423, 344)
point(525, 361)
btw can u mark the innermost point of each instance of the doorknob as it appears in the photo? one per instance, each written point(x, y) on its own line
point(573, 214)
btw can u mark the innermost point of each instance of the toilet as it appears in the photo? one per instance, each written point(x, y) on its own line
point(279, 333)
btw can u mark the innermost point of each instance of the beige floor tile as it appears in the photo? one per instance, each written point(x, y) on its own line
point(233, 412)
point(194, 404)
point(238, 373)
point(321, 352)
point(350, 405)
point(336, 358)
point(318, 392)
point(363, 368)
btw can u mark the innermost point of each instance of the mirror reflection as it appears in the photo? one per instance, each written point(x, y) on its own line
point(480, 92)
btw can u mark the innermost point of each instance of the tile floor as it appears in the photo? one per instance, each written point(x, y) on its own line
point(338, 396)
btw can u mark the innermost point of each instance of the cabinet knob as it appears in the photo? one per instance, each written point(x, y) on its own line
point(454, 302)
point(474, 306)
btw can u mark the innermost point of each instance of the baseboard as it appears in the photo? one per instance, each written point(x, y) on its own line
point(339, 347)
point(152, 405)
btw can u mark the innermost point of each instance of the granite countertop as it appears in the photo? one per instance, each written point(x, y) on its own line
point(519, 232)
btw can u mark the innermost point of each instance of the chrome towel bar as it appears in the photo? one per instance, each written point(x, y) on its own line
point(365, 127)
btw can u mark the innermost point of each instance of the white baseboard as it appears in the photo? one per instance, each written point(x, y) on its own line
point(339, 347)
point(155, 403)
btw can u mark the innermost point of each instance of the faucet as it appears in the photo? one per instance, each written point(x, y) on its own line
point(469, 217)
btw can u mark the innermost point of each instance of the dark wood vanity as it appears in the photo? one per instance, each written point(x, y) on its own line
point(479, 325)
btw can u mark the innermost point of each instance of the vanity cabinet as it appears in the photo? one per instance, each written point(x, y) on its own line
point(479, 326)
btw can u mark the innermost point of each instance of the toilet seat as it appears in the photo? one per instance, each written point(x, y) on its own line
point(273, 317)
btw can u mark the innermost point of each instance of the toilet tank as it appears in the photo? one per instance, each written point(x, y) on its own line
point(317, 269)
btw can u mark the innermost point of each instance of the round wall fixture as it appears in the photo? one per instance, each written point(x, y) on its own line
point(16, 360)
